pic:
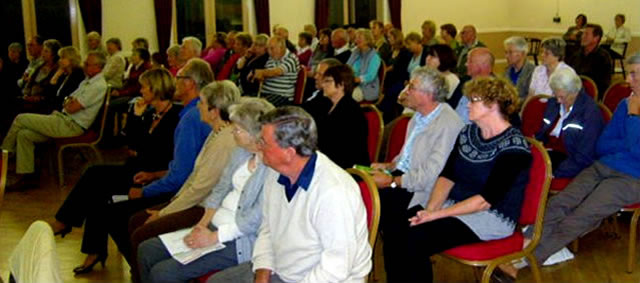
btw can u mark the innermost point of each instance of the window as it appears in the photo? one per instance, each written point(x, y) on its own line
point(11, 20)
point(229, 15)
point(336, 13)
point(53, 20)
point(190, 19)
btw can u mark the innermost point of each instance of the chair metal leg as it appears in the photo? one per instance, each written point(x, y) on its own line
point(633, 230)
point(60, 168)
point(535, 269)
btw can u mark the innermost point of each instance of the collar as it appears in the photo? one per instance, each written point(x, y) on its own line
point(342, 49)
point(189, 105)
point(304, 180)
point(304, 49)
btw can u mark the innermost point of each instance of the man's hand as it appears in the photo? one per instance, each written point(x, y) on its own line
point(135, 192)
point(201, 237)
point(153, 215)
point(382, 180)
point(143, 177)
point(263, 276)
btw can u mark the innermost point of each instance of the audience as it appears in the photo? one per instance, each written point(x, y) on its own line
point(304, 48)
point(381, 43)
point(340, 44)
point(552, 50)
point(406, 188)
point(318, 74)
point(34, 52)
point(429, 33)
point(574, 33)
point(283, 33)
point(215, 52)
point(397, 73)
point(442, 58)
point(190, 48)
point(140, 42)
point(38, 90)
point(519, 70)
point(68, 76)
point(571, 125)
point(254, 59)
point(10, 72)
point(322, 50)
point(314, 223)
point(139, 63)
point(79, 112)
point(279, 74)
point(469, 42)
point(115, 67)
point(233, 209)
point(591, 60)
point(618, 36)
point(311, 29)
point(173, 59)
point(365, 63)
point(241, 44)
point(448, 34)
point(94, 42)
point(479, 64)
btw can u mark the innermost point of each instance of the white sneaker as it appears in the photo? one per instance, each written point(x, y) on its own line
point(560, 256)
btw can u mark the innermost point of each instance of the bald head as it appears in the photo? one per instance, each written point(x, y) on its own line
point(480, 62)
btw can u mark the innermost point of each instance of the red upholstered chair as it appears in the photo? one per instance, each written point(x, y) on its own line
point(376, 130)
point(616, 93)
point(90, 138)
point(398, 131)
point(605, 112)
point(301, 82)
point(491, 254)
point(532, 114)
point(4, 163)
point(590, 87)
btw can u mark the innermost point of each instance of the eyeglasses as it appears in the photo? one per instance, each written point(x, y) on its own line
point(476, 99)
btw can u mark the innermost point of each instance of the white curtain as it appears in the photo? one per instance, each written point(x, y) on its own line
point(249, 17)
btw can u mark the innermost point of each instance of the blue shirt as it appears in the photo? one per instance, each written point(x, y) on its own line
point(463, 111)
point(189, 136)
point(421, 122)
point(514, 75)
point(304, 180)
point(619, 143)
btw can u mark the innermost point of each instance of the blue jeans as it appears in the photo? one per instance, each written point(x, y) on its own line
point(157, 265)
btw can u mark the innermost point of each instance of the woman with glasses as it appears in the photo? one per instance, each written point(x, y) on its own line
point(233, 209)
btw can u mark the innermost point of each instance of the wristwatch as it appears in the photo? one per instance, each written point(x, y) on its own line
point(393, 184)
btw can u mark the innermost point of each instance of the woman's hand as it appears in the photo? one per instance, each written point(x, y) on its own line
point(143, 177)
point(201, 237)
point(139, 107)
point(422, 216)
point(382, 180)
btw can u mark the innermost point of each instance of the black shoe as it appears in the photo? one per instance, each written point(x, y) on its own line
point(500, 276)
point(64, 231)
point(86, 269)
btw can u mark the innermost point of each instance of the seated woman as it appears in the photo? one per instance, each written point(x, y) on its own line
point(571, 125)
point(338, 116)
point(397, 72)
point(233, 209)
point(365, 62)
point(214, 53)
point(38, 91)
point(552, 50)
point(255, 59)
point(467, 208)
point(69, 75)
point(140, 62)
point(152, 132)
point(173, 59)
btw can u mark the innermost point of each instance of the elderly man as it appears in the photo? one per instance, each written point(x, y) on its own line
point(340, 44)
point(34, 50)
point(405, 185)
point(280, 73)
point(519, 69)
point(190, 48)
point(479, 64)
point(429, 33)
point(592, 60)
point(469, 41)
point(94, 42)
point(79, 112)
point(283, 33)
point(314, 222)
point(600, 190)
point(114, 69)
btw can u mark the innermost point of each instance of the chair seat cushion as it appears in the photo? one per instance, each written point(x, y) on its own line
point(489, 249)
point(204, 278)
point(88, 137)
point(558, 184)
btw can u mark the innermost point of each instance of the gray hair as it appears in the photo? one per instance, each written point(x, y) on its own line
point(330, 62)
point(367, 35)
point(199, 71)
point(634, 59)
point(99, 56)
point(555, 45)
point(247, 112)
point(566, 80)
point(72, 54)
point(94, 35)
point(431, 80)
point(279, 41)
point(294, 127)
point(173, 50)
point(194, 43)
point(16, 46)
point(342, 32)
point(518, 42)
point(221, 95)
point(261, 39)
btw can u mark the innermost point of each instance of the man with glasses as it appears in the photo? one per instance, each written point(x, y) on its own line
point(405, 184)
point(79, 112)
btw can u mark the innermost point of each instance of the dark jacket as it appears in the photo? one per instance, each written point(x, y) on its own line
point(580, 132)
point(342, 57)
point(66, 86)
point(255, 63)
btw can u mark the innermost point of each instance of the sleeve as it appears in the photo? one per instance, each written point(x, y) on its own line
point(263, 257)
point(612, 139)
point(248, 219)
point(290, 65)
point(505, 172)
point(372, 70)
point(626, 36)
point(94, 94)
point(188, 143)
point(584, 152)
point(113, 67)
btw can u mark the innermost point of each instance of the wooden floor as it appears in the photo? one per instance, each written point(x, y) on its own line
point(600, 259)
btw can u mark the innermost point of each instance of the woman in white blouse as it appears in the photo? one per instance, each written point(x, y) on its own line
point(618, 35)
point(552, 50)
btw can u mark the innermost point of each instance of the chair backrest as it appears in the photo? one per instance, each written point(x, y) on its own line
point(617, 92)
point(398, 131)
point(4, 163)
point(371, 199)
point(534, 46)
point(532, 114)
point(606, 113)
point(376, 130)
point(538, 185)
point(301, 82)
point(590, 87)
point(34, 259)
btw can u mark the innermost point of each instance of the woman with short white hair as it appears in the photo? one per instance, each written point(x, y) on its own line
point(553, 51)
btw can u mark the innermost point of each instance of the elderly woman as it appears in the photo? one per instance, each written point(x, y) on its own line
point(39, 88)
point(151, 131)
point(233, 209)
point(337, 116)
point(469, 208)
point(94, 42)
point(173, 59)
point(69, 75)
point(519, 70)
point(618, 36)
point(255, 59)
point(365, 63)
point(215, 52)
point(552, 55)
point(114, 69)
point(571, 126)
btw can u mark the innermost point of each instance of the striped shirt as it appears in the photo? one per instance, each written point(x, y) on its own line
point(284, 84)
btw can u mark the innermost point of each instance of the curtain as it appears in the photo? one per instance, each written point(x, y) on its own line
point(322, 14)
point(91, 11)
point(394, 9)
point(163, 23)
point(262, 16)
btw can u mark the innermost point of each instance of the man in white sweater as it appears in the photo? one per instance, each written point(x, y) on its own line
point(314, 226)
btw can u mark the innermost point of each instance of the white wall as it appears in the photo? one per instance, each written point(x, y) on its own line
point(129, 20)
point(292, 14)
point(491, 15)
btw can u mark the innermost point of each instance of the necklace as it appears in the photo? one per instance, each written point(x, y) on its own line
point(156, 116)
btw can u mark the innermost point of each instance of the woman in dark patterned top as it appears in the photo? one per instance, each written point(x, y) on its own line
point(479, 193)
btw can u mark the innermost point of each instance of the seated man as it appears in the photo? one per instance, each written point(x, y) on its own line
point(469, 42)
point(611, 183)
point(79, 112)
point(431, 135)
point(519, 69)
point(591, 60)
point(280, 73)
point(340, 44)
point(314, 221)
